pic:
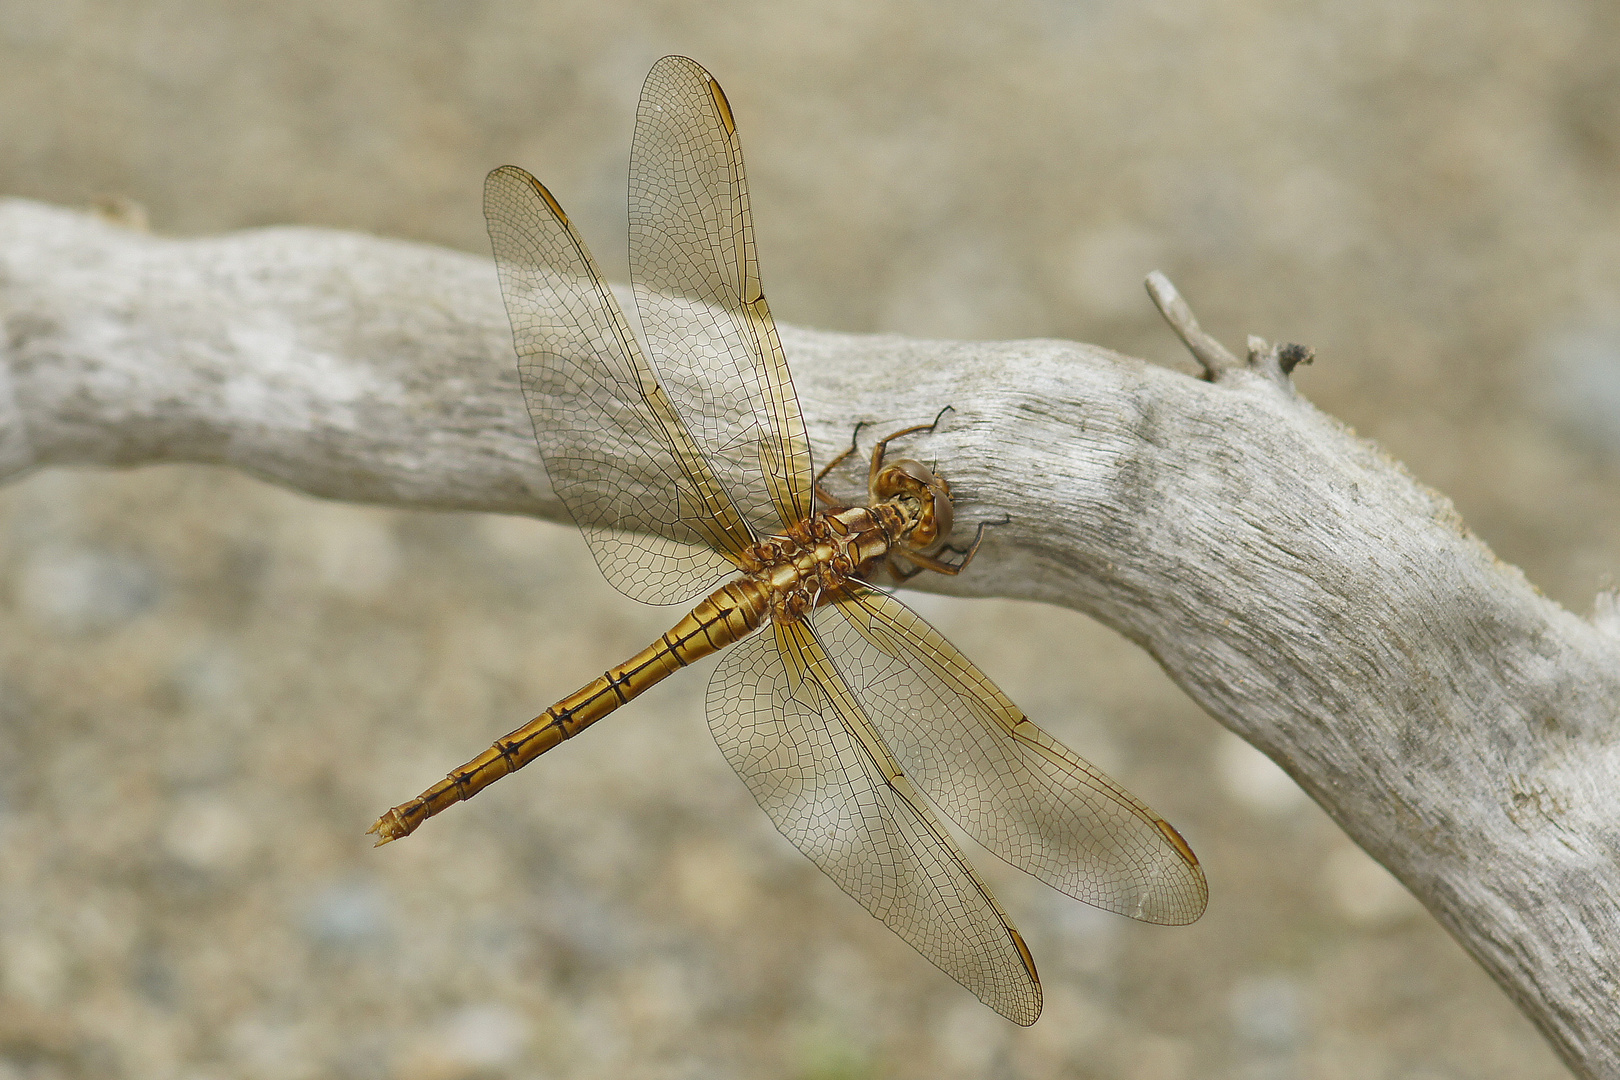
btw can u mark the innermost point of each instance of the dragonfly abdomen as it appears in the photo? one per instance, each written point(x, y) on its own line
point(731, 612)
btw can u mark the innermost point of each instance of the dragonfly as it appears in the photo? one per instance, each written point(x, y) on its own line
point(853, 722)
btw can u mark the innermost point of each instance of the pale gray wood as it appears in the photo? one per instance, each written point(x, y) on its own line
point(1291, 577)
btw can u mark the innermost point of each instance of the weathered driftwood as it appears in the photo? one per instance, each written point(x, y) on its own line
point(1292, 578)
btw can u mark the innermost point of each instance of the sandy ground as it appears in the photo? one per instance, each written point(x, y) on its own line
point(209, 686)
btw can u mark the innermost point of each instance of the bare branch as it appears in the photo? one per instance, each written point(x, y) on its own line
point(1292, 578)
point(1211, 354)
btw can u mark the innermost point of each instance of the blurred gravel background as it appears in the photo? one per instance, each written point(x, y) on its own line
point(209, 686)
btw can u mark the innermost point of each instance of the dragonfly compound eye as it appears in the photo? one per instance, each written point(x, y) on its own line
point(933, 495)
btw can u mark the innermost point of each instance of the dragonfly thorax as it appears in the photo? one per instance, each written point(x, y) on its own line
point(808, 563)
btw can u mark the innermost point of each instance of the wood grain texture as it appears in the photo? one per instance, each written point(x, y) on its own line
point(1292, 578)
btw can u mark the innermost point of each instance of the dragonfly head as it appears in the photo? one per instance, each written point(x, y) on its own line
point(932, 494)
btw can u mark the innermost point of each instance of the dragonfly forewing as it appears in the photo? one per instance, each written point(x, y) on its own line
point(798, 738)
point(1007, 783)
point(696, 274)
point(660, 524)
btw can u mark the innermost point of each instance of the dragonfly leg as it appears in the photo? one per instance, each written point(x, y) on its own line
point(832, 501)
point(877, 451)
point(940, 566)
point(900, 573)
point(821, 493)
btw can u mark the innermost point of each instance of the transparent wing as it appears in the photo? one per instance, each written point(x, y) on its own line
point(661, 526)
point(1007, 783)
point(697, 285)
point(796, 735)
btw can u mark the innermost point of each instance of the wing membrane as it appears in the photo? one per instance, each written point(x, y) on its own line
point(696, 274)
point(1007, 783)
point(792, 729)
point(660, 524)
